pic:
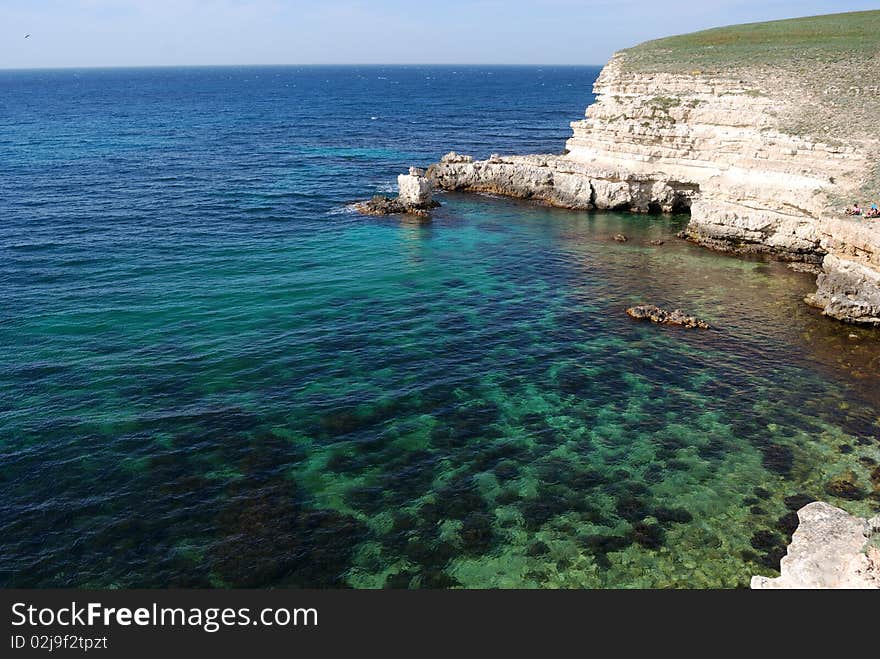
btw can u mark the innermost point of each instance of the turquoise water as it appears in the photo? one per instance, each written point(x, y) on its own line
point(215, 374)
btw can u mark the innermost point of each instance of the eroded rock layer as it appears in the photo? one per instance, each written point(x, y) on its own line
point(563, 181)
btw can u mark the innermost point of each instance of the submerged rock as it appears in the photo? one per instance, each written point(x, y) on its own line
point(829, 549)
point(413, 198)
point(845, 486)
point(657, 315)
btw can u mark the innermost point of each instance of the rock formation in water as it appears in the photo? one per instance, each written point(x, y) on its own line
point(414, 189)
point(414, 197)
point(661, 316)
point(829, 549)
point(763, 141)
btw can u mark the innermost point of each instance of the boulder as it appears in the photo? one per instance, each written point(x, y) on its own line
point(848, 290)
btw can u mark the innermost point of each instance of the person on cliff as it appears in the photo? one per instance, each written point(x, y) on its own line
point(855, 210)
point(873, 212)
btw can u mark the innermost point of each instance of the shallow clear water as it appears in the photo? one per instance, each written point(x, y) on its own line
point(213, 373)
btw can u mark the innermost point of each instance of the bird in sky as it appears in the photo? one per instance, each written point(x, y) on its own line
point(27, 36)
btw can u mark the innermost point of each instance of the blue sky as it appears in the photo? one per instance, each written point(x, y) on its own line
point(172, 32)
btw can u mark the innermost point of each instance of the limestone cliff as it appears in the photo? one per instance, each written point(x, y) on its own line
point(744, 147)
point(758, 189)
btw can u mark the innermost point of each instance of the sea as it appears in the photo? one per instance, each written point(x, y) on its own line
point(215, 374)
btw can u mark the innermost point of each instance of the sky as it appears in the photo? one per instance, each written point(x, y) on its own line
point(84, 33)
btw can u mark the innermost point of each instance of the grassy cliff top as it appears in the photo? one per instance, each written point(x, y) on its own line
point(824, 39)
point(824, 70)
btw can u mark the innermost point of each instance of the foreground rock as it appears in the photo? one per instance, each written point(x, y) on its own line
point(414, 197)
point(657, 315)
point(829, 549)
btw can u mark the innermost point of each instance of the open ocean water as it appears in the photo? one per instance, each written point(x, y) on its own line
point(213, 373)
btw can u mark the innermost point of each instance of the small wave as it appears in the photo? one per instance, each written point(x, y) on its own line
point(348, 209)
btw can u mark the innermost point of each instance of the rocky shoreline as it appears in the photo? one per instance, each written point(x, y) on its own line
point(560, 181)
point(713, 146)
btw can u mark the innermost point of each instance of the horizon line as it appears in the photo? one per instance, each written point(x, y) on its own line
point(69, 67)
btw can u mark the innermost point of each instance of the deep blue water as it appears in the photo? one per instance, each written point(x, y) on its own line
point(213, 373)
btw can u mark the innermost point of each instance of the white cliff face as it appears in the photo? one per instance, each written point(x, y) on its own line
point(759, 188)
point(713, 145)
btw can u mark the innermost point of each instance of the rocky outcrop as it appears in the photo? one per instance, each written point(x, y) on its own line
point(719, 146)
point(661, 316)
point(849, 285)
point(848, 291)
point(414, 197)
point(829, 549)
point(561, 181)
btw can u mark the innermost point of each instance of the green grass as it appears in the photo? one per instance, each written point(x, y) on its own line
point(824, 38)
point(665, 103)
